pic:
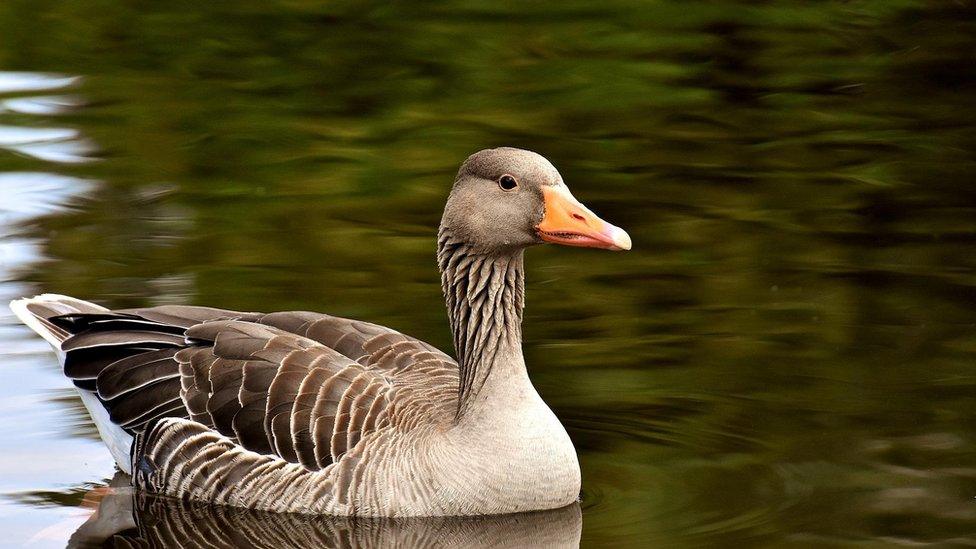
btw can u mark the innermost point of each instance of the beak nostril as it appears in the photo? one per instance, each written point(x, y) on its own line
point(578, 217)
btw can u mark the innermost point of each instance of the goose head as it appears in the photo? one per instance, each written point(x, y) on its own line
point(507, 199)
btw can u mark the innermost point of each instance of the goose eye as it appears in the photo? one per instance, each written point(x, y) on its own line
point(507, 182)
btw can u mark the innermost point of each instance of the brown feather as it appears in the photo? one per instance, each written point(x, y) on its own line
point(129, 338)
point(248, 422)
point(134, 372)
point(226, 377)
point(131, 406)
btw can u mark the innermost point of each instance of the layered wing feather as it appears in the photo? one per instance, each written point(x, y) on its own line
point(303, 387)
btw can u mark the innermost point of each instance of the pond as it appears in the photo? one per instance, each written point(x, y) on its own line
point(786, 358)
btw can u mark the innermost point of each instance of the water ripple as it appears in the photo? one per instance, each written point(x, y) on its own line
point(33, 397)
point(47, 105)
point(59, 145)
point(11, 82)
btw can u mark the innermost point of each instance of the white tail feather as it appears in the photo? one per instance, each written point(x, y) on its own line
point(118, 441)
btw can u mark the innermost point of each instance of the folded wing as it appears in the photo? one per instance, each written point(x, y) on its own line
point(305, 387)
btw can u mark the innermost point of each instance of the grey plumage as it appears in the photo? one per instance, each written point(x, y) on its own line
point(484, 292)
point(307, 412)
point(127, 519)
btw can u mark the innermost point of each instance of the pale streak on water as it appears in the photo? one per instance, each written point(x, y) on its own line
point(42, 447)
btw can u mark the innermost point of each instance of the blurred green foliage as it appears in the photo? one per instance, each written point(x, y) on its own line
point(787, 356)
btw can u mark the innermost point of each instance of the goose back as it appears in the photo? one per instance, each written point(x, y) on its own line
point(290, 388)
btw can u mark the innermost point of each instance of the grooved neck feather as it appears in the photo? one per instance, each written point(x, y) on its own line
point(485, 295)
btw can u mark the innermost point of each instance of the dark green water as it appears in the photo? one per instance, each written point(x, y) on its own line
point(786, 358)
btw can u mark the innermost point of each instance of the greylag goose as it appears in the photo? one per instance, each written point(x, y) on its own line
point(312, 413)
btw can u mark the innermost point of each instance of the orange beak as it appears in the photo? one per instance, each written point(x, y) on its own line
point(570, 223)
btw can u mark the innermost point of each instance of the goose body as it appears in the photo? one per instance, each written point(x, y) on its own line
point(308, 412)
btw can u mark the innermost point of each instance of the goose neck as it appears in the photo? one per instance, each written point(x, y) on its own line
point(485, 295)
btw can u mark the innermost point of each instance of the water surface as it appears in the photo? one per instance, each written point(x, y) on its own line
point(787, 357)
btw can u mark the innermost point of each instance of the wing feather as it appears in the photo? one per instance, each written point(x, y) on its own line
point(134, 405)
point(226, 376)
point(299, 387)
point(136, 372)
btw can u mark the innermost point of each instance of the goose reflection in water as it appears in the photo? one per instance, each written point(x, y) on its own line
point(125, 518)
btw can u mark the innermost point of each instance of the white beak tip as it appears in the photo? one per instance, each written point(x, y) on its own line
point(621, 240)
